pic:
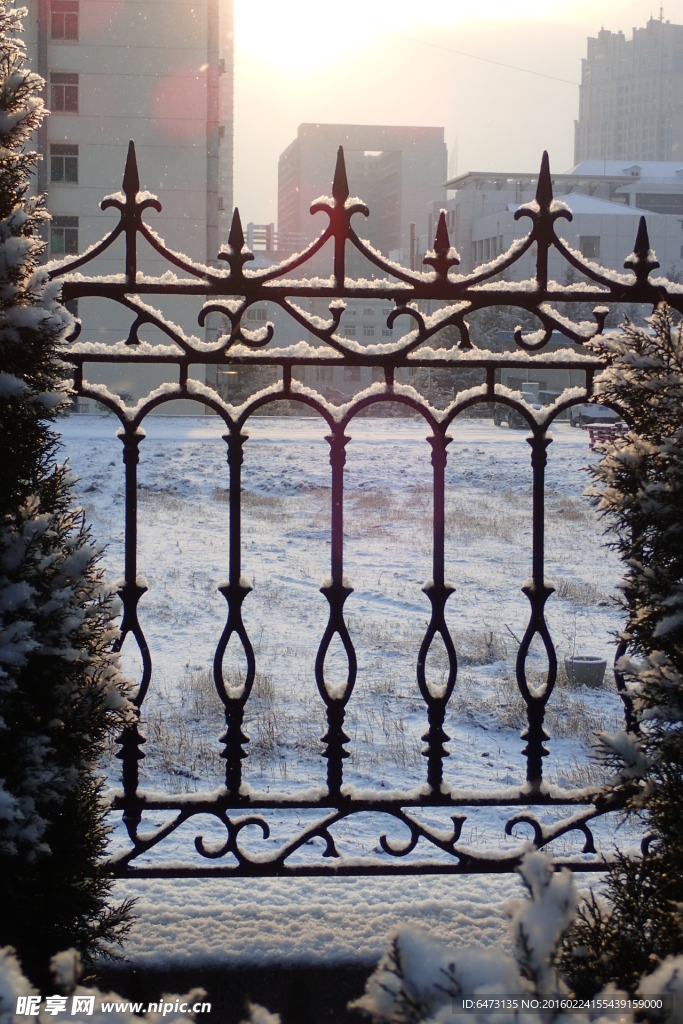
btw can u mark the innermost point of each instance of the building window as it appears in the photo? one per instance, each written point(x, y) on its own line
point(590, 246)
point(63, 163)
point(350, 332)
point(64, 236)
point(352, 373)
point(325, 374)
point(64, 91)
point(64, 19)
point(368, 312)
point(368, 332)
point(387, 332)
point(257, 313)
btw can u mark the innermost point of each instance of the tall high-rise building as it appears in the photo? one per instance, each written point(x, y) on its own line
point(226, 116)
point(397, 171)
point(158, 72)
point(631, 95)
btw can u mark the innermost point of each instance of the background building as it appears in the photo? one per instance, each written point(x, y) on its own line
point(159, 73)
point(397, 171)
point(631, 95)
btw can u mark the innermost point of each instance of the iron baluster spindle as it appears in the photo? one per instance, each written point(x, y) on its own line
point(130, 592)
point(538, 592)
point(232, 288)
point(234, 697)
point(438, 592)
point(336, 591)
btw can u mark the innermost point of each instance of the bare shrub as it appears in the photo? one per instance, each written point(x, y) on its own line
point(481, 647)
point(567, 715)
point(580, 593)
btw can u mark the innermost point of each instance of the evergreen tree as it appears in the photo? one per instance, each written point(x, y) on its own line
point(60, 687)
point(639, 488)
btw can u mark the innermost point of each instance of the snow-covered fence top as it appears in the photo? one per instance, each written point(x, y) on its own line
point(229, 293)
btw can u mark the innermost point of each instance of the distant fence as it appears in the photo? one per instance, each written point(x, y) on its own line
point(231, 291)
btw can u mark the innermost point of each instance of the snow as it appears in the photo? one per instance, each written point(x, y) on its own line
point(239, 922)
point(11, 386)
point(99, 1008)
point(183, 517)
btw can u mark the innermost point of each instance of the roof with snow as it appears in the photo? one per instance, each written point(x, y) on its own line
point(621, 172)
point(578, 203)
point(645, 170)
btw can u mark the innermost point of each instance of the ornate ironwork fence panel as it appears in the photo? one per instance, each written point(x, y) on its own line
point(232, 290)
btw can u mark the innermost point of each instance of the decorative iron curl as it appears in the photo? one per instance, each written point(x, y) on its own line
point(547, 834)
point(419, 831)
point(233, 827)
point(252, 339)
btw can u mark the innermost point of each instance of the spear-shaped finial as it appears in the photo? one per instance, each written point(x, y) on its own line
point(340, 185)
point(442, 242)
point(236, 255)
point(642, 246)
point(131, 179)
point(440, 260)
point(642, 260)
point(236, 236)
point(544, 188)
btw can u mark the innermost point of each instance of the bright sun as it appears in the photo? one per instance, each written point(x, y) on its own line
point(300, 38)
point(297, 40)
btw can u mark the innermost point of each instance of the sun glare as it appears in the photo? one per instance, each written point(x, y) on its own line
point(297, 42)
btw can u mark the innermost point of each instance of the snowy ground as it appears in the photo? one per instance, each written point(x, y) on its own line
point(183, 516)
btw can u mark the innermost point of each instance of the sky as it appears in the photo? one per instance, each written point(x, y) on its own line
point(393, 62)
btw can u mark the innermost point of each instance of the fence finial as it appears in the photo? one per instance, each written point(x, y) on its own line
point(340, 185)
point(642, 260)
point(544, 188)
point(441, 261)
point(131, 179)
point(442, 242)
point(236, 236)
point(642, 246)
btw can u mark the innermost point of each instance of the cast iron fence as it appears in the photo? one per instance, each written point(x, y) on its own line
point(231, 291)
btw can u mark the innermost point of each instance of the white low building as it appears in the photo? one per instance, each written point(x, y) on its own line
point(606, 198)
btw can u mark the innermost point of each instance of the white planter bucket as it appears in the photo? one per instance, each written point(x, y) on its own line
point(585, 670)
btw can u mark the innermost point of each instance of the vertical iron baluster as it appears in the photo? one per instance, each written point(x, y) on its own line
point(438, 592)
point(234, 592)
point(336, 590)
point(538, 592)
point(130, 593)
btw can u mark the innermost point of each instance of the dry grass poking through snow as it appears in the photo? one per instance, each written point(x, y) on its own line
point(384, 723)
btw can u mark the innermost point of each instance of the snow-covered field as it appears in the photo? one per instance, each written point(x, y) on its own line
point(183, 519)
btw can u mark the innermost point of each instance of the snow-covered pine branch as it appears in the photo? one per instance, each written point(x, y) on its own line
point(420, 980)
point(638, 489)
point(61, 690)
